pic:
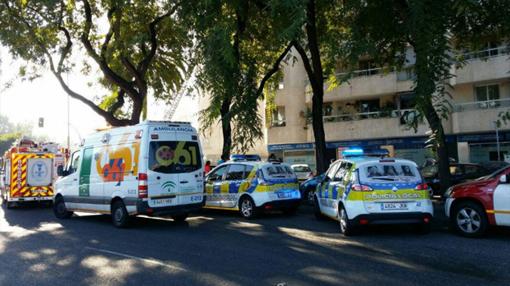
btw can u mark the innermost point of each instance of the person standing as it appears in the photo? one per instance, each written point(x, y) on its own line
point(207, 167)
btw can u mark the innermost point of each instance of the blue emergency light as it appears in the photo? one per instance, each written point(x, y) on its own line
point(244, 157)
point(359, 152)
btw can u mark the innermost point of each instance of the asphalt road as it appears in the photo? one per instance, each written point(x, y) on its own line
point(220, 248)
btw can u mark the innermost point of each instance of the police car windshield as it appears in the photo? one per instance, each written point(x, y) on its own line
point(278, 171)
point(389, 172)
point(174, 156)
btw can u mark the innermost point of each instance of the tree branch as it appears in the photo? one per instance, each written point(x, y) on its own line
point(143, 66)
point(273, 70)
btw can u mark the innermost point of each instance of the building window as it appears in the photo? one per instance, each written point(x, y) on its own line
point(278, 117)
point(487, 92)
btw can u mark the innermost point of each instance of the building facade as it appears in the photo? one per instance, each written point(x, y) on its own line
point(371, 108)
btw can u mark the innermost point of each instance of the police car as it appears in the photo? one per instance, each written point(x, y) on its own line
point(361, 190)
point(251, 186)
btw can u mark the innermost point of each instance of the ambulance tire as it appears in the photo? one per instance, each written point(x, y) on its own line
point(120, 216)
point(180, 218)
point(60, 210)
point(317, 210)
point(247, 208)
point(346, 226)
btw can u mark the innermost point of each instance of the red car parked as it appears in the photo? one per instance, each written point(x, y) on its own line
point(475, 205)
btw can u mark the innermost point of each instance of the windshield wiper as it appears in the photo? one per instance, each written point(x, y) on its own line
point(383, 178)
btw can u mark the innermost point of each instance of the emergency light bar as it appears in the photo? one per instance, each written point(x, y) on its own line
point(359, 152)
point(243, 157)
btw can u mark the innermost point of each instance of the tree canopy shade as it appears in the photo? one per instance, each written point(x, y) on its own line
point(385, 29)
point(139, 46)
point(240, 45)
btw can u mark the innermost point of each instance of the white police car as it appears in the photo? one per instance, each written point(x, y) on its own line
point(361, 190)
point(251, 186)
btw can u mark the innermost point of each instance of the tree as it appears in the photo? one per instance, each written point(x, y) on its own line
point(384, 30)
point(240, 45)
point(318, 46)
point(138, 46)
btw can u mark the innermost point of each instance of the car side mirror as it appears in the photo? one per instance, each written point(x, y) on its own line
point(503, 179)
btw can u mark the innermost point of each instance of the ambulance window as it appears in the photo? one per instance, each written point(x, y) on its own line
point(172, 157)
point(74, 163)
point(235, 172)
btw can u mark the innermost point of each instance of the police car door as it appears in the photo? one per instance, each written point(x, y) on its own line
point(234, 179)
point(337, 186)
point(213, 186)
point(502, 201)
point(325, 189)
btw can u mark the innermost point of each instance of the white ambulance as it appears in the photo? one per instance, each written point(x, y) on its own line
point(153, 168)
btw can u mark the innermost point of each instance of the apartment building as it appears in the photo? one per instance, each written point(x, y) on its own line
point(371, 109)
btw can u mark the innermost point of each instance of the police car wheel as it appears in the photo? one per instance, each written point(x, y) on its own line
point(469, 219)
point(317, 210)
point(180, 218)
point(120, 216)
point(60, 210)
point(346, 227)
point(247, 208)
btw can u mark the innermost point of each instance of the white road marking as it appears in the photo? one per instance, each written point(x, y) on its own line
point(145, 260)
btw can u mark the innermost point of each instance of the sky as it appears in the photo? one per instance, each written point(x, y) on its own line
point(26, 102)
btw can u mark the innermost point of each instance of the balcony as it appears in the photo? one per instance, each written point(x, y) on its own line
point(361, 84)
point(369, 125)
point(478, 116)
point(490, 64)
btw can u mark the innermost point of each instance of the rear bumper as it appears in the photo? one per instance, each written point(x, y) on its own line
point(392, 218)
point(29, 199)
point(144, 209)
point(283, 204)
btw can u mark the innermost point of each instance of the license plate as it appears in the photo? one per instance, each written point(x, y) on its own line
point(394, 206)
point(284, 195)
point(160, 202)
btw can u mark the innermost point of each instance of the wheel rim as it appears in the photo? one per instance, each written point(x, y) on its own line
point(118, 214)
point(469, 220)
point(343, 220)
point(246, 208)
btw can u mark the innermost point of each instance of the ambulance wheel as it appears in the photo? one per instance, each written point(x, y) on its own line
point(317, 209)
point(247, 208)
point(469, 219)
point(60, 210)
point(346, 226)
point(180, 218)
point(120, 216)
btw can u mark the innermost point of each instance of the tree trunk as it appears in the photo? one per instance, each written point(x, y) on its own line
point(318, 128)
point(226, 128)
point(442, 150)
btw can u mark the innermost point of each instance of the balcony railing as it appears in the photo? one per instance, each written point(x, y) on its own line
point(477, 105)
point(484, 54)
point(368, 115)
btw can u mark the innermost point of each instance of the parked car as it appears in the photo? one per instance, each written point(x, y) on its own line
point(459, 173)
point(473, 206)
point(251, 187)
point(308, 187)
point(366, 190)
point(302, 171)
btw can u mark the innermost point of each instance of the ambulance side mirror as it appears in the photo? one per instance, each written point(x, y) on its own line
point(61, 172)
point(503, 179)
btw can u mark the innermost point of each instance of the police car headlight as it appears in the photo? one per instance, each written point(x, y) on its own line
point(448, 192)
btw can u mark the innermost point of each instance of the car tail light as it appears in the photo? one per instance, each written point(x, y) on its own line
point(361, 188)
point(422, 187)
point(142, 186)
